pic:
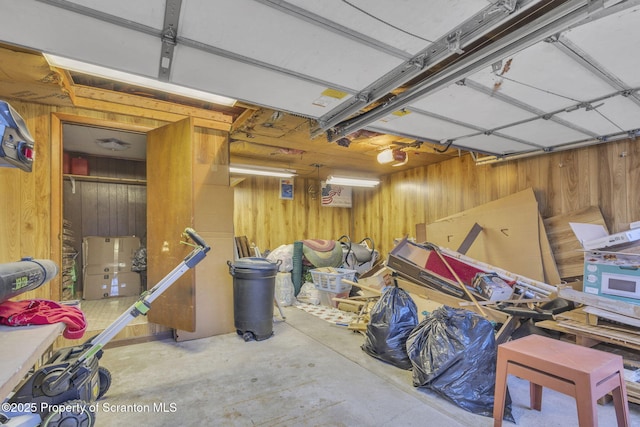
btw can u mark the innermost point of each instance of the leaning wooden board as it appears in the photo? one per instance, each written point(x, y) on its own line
point(512, 236)
point(564, 243)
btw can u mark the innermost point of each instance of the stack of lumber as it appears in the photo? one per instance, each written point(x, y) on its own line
point(243, 248)
point(69, 255)
point(427, 300)
point(602, 320)
point(566, 248)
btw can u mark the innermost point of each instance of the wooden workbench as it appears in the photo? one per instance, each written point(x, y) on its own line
point(22, 348)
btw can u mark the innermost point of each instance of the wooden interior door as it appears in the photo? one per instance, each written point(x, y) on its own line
point(169, 210)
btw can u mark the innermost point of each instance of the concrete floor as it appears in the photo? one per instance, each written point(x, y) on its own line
point(310, 373)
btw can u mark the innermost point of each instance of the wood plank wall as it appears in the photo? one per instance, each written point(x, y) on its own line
point(25, 211)
point(269, 221)
point(26, 198)
point(606, 175)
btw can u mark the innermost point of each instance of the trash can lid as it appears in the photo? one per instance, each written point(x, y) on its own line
point(255, 263)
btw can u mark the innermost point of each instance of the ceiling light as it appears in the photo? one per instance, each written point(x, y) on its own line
point(394, 156)
point(146, 82)
point(262, 171)
point(112, 144)
point(353, 182)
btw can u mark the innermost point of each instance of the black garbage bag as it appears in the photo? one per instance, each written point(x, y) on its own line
point(392, 319)
point(453, 352)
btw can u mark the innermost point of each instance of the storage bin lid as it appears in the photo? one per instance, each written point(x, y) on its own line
point(255, 263)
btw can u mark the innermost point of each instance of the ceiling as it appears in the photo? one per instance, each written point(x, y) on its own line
point(337, 81)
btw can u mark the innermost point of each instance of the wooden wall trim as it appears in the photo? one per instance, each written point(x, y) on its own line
point(56, 144)
point(93, 121)
point(56, 203)
point(119, 98)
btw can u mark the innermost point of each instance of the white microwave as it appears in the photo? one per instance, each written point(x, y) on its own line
point(620, 285)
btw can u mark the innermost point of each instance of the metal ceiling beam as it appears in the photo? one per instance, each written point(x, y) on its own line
point(479, 130)
point(334, 27)
point(524, 106)
point(121, 22)
point(570, 49)
point(610, 7)
point(96, 14)
point(260, 64)
point(453, 143)
point(169, 38)
point(550, 23)
point(562, 147)
point(446, 46)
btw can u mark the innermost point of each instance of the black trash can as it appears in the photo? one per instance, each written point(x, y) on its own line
point(254, 281)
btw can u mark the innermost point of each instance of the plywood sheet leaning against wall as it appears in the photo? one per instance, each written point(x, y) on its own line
point(564, 243)
point(512, 237)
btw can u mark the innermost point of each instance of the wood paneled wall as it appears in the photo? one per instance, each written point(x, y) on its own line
point(606, 175)
point(269, 221)
point(25, 208)
point(28, 200)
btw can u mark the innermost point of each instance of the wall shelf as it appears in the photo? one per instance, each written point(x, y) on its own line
point(105, 179)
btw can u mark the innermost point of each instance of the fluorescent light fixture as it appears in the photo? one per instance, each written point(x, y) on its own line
point(262, 171)
point(146, 82)
point(353, 182)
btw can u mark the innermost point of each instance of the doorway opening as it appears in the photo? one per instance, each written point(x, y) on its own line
point(103, 201)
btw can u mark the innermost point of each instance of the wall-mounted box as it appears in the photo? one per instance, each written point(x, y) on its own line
point(613, 275)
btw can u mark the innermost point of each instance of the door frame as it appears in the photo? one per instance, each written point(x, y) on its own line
point(57, 193)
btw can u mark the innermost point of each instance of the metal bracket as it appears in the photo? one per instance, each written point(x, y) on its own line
point(169, 38)
point(364, 96)
point(590, 106)
point(453, 42)
point(508, 5)
point(419, 61)
point(595, 5)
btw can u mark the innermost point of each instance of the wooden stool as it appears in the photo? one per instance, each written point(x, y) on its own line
point(584, 373)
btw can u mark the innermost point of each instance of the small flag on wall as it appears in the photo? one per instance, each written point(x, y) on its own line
point(336, 196)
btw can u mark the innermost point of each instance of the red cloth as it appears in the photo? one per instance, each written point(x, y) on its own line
point(465, 272)
point(44, 312)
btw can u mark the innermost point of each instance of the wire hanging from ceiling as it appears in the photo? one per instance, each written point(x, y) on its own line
point(314, 189)
point(385, 22)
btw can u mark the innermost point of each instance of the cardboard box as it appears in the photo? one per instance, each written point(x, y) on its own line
point(595, 237)
point(114, 253)
point(99, 286)
point(613, 273)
